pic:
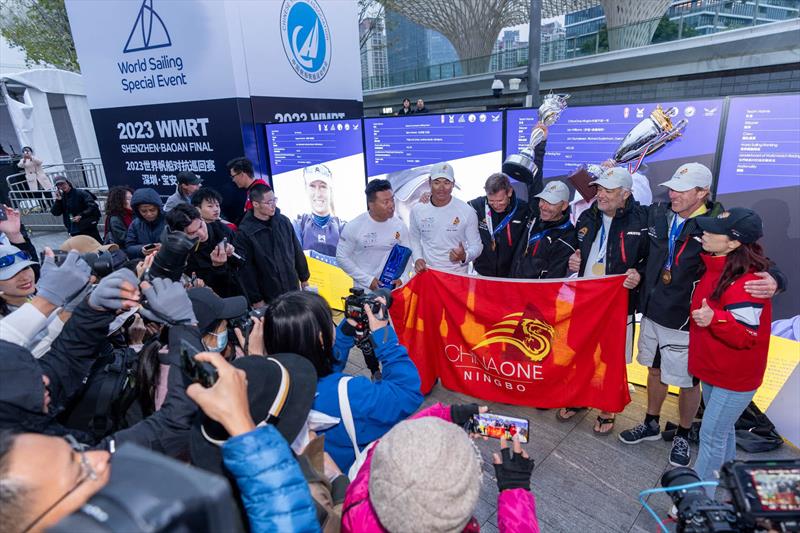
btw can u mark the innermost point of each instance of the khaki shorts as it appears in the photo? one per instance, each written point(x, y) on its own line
point(667, 349)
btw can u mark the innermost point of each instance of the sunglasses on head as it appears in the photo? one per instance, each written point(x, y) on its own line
point(8, 260)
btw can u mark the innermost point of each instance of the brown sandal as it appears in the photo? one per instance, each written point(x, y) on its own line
point(603, 421)
point(571, 412)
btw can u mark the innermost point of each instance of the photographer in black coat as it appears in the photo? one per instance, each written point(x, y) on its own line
point(275, 262)
point(77, 208)
point(215, 260)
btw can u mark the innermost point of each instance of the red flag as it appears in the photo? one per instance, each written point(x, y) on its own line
point(548, 343)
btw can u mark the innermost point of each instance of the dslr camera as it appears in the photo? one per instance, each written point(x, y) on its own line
point(354, 308)
point(245, 324)
point(171, 259)
point(102, 263)
point(766, 497)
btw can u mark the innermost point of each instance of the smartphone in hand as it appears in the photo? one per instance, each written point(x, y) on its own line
point(498, 426)
point(198, 371)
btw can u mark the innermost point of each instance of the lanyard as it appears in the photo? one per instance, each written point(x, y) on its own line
point(538, 236)
point(601, 250)
point(503, 223)
point(674, 232)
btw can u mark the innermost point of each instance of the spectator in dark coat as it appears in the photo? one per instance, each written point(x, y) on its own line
point(119, 215)
point(77, 208)
point(406, 109)
point(274, 260)
point(148, 223)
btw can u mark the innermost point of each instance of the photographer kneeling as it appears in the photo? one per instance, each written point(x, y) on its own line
point(301, 322)
point(215, 259)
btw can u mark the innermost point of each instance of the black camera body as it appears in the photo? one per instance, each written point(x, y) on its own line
point(766, 496)
point(244, 324)
point(102, 263)
point(354, 308)
point(171, 259)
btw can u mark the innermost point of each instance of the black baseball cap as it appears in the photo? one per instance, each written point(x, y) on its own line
point(209, 308)
point(740, 224)
point(189, 178)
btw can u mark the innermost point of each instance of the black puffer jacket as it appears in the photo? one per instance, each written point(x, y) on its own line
point(497, 262)
point(78, 202)
point(548, 255)
point(222, 279)
point(627, 240)
point(275, 261)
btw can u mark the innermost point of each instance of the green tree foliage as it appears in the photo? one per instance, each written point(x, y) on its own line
point(667, 30)
point(41, 29)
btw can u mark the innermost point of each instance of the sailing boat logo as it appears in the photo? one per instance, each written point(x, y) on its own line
point(306, 38)
point(148, 31)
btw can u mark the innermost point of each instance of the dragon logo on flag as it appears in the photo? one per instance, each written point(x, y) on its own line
point(528, 334)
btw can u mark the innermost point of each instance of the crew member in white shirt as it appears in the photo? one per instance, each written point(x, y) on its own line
point(444, 233)
point(366, 241)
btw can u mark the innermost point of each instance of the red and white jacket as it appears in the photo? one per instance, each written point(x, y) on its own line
point(732, 351)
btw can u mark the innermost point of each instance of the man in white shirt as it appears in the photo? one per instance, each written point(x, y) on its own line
point(444, 233)
point(366, 241)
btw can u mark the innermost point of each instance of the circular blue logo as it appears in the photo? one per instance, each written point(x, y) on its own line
point(306, 38)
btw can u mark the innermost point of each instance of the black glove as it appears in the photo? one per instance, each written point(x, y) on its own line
point(461, 414)
point(514, 472)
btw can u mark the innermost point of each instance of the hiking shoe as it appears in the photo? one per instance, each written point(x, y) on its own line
point(651, 431)
point(680, 454)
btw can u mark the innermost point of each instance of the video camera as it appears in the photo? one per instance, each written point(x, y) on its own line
point(766, 497)
point(354, 308)
point(102, 263)
point(148, 491)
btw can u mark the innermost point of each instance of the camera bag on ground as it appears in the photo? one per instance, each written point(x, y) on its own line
point(755, 432)
point(150, 492)
point(100, 408)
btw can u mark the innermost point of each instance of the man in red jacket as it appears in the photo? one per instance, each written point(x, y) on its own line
point(241, 170)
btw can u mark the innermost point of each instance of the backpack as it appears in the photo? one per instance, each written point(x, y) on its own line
point(101, 406)
point(755, 432)
point(350, 427)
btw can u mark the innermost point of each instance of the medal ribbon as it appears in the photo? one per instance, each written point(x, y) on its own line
point(542, 234)
point(503, 223)
point(601, 250)
point(674, 232)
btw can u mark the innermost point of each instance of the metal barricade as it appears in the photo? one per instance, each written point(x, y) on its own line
point(35, 205)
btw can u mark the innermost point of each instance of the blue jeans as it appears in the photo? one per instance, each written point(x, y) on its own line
point(717, 433)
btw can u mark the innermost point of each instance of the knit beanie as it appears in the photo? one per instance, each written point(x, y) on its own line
point(425, 475)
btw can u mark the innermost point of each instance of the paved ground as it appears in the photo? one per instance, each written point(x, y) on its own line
point(582, 482)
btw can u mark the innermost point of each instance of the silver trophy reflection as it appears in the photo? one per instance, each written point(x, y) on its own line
point(648, 136)
point(521, 166)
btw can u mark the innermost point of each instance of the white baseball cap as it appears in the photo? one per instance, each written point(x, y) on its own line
point(13, 261)
point(688, 177)
point(317, 173)
point(614, 178)
point(443, 170)
point(554, 192)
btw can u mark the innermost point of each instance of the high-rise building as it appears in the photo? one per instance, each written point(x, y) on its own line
point(553, 42)
point(412, 48)
point(374, 64)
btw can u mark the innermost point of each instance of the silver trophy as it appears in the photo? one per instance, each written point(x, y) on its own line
point(649, 135)
point(521, 166)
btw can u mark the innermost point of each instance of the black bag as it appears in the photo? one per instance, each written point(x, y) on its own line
point(101, 406)
point(755, 433)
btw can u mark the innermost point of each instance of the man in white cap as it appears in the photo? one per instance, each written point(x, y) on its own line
point(672, 271)
point(319, 230)
point(444, 232)
point(550, 237)
point(612, 239)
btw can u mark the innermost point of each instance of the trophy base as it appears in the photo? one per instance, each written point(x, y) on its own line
point(520, 167)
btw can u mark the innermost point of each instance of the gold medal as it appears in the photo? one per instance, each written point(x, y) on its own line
point(666, 276)
point(598, 269)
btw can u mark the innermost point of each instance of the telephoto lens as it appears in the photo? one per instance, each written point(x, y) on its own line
point(171, 259)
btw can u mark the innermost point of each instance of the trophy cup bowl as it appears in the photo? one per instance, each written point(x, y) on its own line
point(521, 166)
point(649, 135)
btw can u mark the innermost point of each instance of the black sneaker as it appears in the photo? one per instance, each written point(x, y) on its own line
point(650, 431)
point(680, 454)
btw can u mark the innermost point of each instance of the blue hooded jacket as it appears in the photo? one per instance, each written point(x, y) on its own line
point(376, 407)
point(140, 231)
point(273, 489)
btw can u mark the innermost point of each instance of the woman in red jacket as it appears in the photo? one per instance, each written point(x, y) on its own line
point(729, 333)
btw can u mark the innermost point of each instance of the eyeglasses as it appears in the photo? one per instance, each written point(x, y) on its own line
point(8, 260)
point(87, 472)
point(273, 201)
point(235, 174)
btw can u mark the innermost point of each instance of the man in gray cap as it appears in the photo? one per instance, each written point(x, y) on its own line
point(612, 239)
point(550, 237)
point(444, 233)
point(188, 183)
point(672, 271)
